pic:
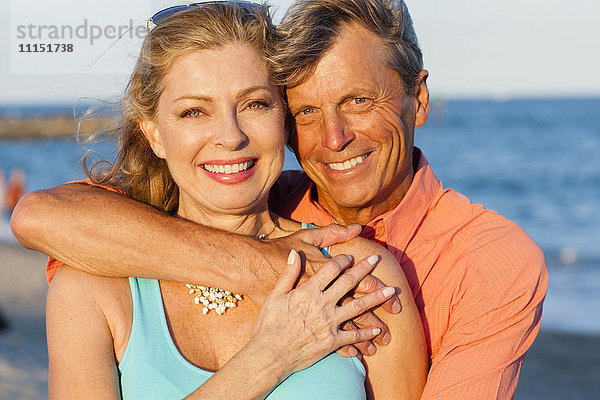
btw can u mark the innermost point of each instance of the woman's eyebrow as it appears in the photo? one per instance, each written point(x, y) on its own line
point(194, 97)
point(251, 89)
point(240, 94)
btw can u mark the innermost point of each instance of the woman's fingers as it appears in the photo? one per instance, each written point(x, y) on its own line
point(288, 276)
point(351, 278)
point(356, 307)
point(330, 271)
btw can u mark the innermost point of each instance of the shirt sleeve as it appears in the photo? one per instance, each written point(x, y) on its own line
point(495, 317)
point(53, 264)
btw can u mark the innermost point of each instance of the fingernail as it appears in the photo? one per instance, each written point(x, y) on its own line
point(373, 259)
point(396, 307)
point(386, 338)
point(375, 331)
point(349, 257)
point(352, 351)
point(371, 349)
point(354, 226)
point(292, 257)
point(388, 291)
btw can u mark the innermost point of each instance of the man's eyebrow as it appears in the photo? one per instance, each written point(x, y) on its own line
point(297, 108)
point(357, 93)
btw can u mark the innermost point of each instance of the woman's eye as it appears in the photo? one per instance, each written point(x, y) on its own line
point(359, 100)
point(306, 111)
point(193, 112)
point(257, 105)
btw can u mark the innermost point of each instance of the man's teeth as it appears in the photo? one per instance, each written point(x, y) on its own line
point(353, 162)
point(229, 168)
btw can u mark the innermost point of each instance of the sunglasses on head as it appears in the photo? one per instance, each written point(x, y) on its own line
point(162, 14)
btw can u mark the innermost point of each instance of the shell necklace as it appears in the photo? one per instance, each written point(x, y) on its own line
point(213, 298)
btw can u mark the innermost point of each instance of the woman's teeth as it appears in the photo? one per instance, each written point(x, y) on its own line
point(228, 168)
point(353, 162)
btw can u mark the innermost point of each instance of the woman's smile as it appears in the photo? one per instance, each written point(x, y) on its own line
point(230, 172)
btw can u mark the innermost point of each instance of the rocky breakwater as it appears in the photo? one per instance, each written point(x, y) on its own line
point(50, 126)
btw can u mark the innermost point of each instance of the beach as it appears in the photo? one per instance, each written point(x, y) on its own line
point(23, 354)
point(558, 366)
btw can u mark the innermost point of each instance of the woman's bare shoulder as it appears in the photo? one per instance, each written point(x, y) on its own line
point(75, 289)
point(78, 282)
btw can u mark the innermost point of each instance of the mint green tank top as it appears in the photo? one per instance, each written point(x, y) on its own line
point(153, 368)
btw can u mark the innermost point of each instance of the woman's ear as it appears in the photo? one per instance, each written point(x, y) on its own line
point(152, 133)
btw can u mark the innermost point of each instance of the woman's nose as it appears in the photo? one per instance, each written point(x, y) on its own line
point(231, 135)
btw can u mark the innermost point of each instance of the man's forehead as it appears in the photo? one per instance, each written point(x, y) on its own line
point(352, 64)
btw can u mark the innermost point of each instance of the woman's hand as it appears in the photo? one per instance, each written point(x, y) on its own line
point(298, 327)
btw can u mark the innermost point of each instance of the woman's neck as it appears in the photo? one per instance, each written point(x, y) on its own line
point(256, 223)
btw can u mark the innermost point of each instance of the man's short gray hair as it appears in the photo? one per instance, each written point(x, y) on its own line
point(311, 27)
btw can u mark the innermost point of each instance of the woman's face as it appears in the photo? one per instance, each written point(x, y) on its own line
point(220, 127)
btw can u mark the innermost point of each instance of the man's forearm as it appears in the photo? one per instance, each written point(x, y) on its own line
point(106, 233)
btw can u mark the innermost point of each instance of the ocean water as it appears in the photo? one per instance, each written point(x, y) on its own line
point(534, 161)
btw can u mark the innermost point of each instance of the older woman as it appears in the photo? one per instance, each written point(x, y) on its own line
point(203, 136)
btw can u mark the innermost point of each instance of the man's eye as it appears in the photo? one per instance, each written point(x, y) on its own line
point(306, 111)
point(192, 112)
point(359, 100)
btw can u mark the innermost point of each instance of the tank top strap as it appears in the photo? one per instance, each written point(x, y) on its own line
point(147, 327)
point(308, 225)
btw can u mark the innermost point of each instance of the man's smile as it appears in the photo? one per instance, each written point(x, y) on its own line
point(350, 163)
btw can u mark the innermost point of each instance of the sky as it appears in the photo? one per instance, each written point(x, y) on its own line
point(472, 48)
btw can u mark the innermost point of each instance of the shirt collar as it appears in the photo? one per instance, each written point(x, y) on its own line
point(402, 222)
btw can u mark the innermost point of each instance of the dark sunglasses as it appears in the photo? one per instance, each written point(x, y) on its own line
point(162, 14)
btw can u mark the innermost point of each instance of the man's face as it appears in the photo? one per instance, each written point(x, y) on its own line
point(355, 125)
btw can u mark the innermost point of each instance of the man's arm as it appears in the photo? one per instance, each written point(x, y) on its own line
point(495, 318)
point(107, 233)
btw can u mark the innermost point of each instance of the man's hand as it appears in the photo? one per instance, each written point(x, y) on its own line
point(369, 284)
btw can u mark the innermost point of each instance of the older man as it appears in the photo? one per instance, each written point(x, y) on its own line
point(356, 90)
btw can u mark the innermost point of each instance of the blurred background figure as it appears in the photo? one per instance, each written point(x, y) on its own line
point(2, 202)
point(2, 207)
point(15, 188)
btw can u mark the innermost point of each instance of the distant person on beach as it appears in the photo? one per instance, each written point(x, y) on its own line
point(15, 189)
point(203, 138)
point(2, 202)
point(356, 89)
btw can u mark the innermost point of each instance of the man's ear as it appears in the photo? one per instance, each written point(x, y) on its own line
point(422, 98)
point(151, 132)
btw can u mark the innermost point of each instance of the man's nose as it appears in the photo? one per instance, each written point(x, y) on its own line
point(337, 134)
point(231, 135)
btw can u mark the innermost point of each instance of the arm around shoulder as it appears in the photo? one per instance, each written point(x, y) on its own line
point(106, 233)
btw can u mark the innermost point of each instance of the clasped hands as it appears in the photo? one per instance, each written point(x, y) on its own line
point(357, 284)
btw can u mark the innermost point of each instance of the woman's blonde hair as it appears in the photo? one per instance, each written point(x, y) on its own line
point(136, 169)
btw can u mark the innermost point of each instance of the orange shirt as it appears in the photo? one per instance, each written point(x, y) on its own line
point(477, 278)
